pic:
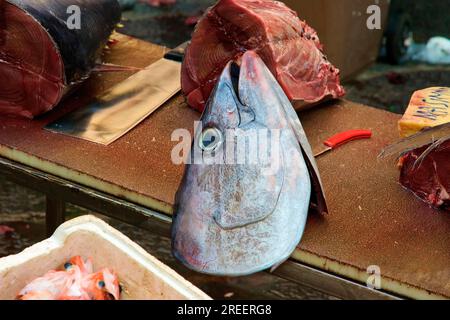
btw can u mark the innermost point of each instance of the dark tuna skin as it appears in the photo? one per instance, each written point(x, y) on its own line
point(79, 48)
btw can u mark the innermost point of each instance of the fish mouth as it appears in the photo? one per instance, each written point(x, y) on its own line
point(241, 89)
point(235, 75)
point(232, 76)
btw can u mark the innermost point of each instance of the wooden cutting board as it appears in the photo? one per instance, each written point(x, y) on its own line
point(372, 220)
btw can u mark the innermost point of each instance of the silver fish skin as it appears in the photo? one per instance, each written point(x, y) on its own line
point(242, 218)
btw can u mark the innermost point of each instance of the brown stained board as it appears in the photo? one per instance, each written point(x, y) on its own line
point(372, 220)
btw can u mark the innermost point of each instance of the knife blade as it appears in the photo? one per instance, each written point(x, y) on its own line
point(124, 106)
point(422, 138)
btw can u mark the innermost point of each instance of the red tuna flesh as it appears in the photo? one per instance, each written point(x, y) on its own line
point(31, 68)
point(428, 177)
point(41, 58)
point(288, 46)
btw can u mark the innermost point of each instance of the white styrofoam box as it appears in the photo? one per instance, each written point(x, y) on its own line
point(141, 275)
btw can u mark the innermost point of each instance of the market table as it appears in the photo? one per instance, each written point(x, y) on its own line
point(373, 223)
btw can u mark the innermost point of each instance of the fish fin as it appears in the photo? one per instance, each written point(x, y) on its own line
point(318, 197)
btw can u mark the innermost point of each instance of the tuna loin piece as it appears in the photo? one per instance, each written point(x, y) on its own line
point(426, 172)
point(41, 58)
point(288, 46)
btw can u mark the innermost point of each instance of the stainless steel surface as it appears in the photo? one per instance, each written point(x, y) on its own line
point(124, 106)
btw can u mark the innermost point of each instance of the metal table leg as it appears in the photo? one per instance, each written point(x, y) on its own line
point(54, 214)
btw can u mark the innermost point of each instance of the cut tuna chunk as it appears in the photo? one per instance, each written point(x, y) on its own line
point(426, 172)
point(41, 57)
point(289, 47)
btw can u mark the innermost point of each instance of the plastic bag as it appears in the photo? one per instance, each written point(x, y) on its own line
point(436, 51)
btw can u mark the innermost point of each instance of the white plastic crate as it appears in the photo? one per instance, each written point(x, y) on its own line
point(141, 275)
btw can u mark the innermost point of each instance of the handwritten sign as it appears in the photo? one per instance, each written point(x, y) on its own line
point(429, 107)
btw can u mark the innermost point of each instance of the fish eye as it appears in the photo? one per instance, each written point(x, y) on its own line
point(67, 265)
point(101, 284)
point(210, 139)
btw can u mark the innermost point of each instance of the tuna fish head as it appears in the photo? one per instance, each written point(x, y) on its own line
point(244, 199)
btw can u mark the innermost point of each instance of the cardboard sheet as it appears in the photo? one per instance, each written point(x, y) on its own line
point(342, 28)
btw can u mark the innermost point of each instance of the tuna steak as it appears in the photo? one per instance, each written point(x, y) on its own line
point(424, 164)
point(288, 46)
point(426, 173)
point(236, 218)
point(41, 58)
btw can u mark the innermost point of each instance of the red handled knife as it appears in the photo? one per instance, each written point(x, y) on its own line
point(342, 138)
